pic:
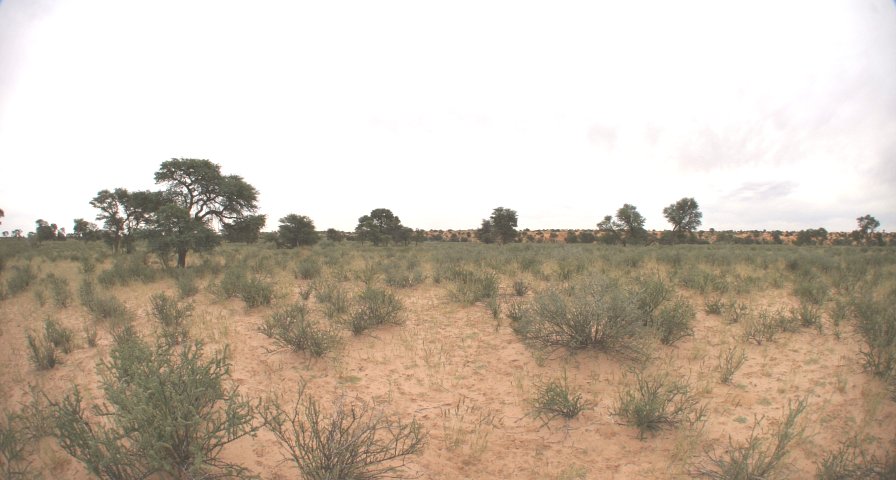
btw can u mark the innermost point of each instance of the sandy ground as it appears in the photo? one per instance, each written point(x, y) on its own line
point(468, 379)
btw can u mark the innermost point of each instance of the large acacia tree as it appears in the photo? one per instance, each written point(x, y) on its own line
point(684, 215)
point(124, 213)
point(500, 227)
point(198, 197)
point(379, 227)
point(628, 225)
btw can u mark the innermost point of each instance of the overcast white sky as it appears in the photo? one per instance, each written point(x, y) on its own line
point(772, 114)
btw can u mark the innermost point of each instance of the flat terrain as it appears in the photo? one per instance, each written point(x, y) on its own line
point(458, 363)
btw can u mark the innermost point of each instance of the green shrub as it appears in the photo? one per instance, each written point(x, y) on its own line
point(851, 462)
point(807, 315)
point(674, 322)
point(42, 352)
point(374, 307)
point(714, 305)
point(520, 288)
point(402, 276)
point(308, 268)
point(471, 287)
point(185, 280)
point(125, 270)
point(555, 398)
point(651, 293)
point(736, 311)
point(173, 317)
point(333, 297)
point(102, 307)
point(877, 324)
point(291, 328)
point(21, 278)
point(602, 318)
point(59, 290)
point(730, 362)
point(811, 289)
point(516, 311)
point(168, 414)
point(14, 463)
point(763, 327)
point(757, 457)
point(352, 441)
point(256, 292)
point(655, 402)
point(58, 335)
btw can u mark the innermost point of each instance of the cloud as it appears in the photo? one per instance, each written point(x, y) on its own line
point(761, 192)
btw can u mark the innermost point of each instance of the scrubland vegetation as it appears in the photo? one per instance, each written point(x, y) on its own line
point(448, 360)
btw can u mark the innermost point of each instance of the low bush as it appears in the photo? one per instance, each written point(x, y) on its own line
point(58, 335)
point(555, 398)
point(308, 268)
point(125, 270)
point(374, 307)
point(22, 277)
point(351, 441)
point(602, 318)
point(851, 462)
point(168, 414)
point(333, 297)
point(291, 328)
point(520, 288)
point(674, 322)
point(103, 307)
point(59, 290)
point(42, 352)
point(730, 361)
point(471, 286)
point(14, 463)
point(757, 457)
point(656, 401)
point(173, 317)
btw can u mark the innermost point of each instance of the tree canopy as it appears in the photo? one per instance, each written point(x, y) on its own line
point(627, 226)
point(296, 230)
point(500, 227)
point(684, 215)
point(380, 227)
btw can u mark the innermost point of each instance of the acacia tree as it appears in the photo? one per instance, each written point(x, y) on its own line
point(197, 197)
point(500, 227)
point(379, 227)
point(627, 226)
point(296, 230)
point(2, 214)
point(684, 215)
point(124, 213)
point(867, 225)
point(85, 230)
point(245, 230)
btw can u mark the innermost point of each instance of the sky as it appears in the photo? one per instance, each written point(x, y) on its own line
point(771, 114)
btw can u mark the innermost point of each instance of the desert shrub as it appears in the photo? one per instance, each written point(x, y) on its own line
point(602, 318)
point(520, 288)
point(736, 311)
point(516, 311)
point(90, 334)
point(59, 290)
point(877, 324)
point(185, 280)
point(254, 291)
point(374, 307)
point(173, 317)
point(730, 361)
point(333, 297)
point(811, 289)
point(851, 462)
point(291, 328)
point(125, 270)
point(20, 279)
point(102, 307)
point(42, 352)
point(649, 295)
point(714, 305)
point(555, 398)
point(58, 335)
point(807, 315)
point(654, 402)
point(757, 457)
point(14, 463)
point(354, 440)
point(471, 286)
point(763, 327)
point(308, 268)
point(168, 414)
point(402, 276)
point(674, 322)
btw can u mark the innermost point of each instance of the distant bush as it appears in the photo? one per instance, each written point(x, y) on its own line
point(308, 268)
point(125, 270)
point(168, 414)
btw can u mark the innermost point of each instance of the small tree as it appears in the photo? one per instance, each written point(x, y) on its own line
point(334, 235)
point(500, 227)
point(378, 227)
point(44, 230)
point(85, 230)
point(867, 225)
point(296, 230)
point(684, 215)
point(124, 213)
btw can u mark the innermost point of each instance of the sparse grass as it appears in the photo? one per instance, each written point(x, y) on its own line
point(22, 277)
point(851, 461)
point(714, 305)
point(173, 317)
point(353, 440)
point(58, 335)
point(654, 402)
point(758, 457)
point(59, 290)
point(520, 288)
point(103, 307)
point(42, 352)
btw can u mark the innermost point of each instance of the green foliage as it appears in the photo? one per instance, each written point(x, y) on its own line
point(555, 398)
point(655, 402)
point(730, 361)
point(500, 227)
point(291, 328)
point(254, 291)
point(602, 318)
point(58, 335)
point(402, 274)
point(352, 441)
point(125, 270)
point(674, 322)
point(185, 280)
point(296, 230)
point(102, 307)
point(333, 297)
point(42, 352)
point(124, 213)
point(244, 230)
point(14, 463)
point(173, 317)
point(308, 268)
point(714, 305)
point(852, 462)
point(757, 457)
point(168, 414)
point(374, 307)
point(21, 278)
point(470, 286)
point(684, 215)
point(59, 290)
point(877, 324)
point(379, 227)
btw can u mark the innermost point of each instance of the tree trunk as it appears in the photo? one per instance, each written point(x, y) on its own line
point(182, 258)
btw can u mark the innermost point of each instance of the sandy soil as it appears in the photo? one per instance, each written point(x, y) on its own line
point(468, 379)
